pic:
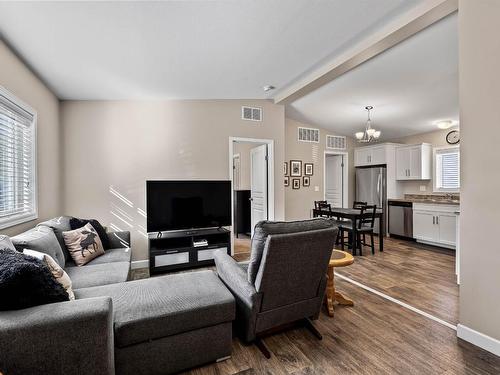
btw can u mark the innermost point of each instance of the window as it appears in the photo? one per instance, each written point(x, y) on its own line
point(447, 169)
point(17, 161)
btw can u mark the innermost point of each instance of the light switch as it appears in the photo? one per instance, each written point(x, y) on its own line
point(316, 188)
point(423, 188)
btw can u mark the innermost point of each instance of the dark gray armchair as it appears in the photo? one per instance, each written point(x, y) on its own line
point(285, 279)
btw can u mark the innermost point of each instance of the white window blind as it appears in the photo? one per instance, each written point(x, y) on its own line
point(17, 161)
point(447, 169)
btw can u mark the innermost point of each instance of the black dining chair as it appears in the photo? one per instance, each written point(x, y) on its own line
point(323, 206)
point(355, 205)
point(364, 226)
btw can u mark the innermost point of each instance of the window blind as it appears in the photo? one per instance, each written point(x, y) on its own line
point(448, 169)
point(17, 162)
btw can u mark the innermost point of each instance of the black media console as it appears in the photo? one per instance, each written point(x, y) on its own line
point(177, 250)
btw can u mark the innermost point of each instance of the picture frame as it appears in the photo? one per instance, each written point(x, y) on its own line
point(287, 181)
point(285, 169)
point(306, 181)
point(296, 183)
point(308, 169)
point(295, 168)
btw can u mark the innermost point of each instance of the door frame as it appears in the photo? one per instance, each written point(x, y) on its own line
point(270, 176)
point(345, 177)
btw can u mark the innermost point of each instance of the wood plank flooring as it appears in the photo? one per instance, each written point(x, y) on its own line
point(420, 275)
point(375, 336)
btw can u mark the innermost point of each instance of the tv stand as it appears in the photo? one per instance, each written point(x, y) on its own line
point(175, 250)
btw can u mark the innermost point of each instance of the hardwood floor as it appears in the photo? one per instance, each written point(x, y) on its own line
point(375, 336)
point(419, 275)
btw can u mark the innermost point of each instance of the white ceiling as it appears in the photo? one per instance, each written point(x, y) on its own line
point(200, 49)
point(410, 86)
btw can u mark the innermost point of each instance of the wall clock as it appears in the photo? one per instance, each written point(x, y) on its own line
point(453, 137)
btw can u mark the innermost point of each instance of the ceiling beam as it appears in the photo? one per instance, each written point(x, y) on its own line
point(407, 26)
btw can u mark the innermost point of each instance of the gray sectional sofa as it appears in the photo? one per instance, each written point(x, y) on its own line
point(160, 325)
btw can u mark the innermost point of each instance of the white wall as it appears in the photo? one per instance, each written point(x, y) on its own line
point(19, 80)
point(112, 147)
point(479, 42)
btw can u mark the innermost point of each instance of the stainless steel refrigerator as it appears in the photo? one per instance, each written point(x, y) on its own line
point(371, 187)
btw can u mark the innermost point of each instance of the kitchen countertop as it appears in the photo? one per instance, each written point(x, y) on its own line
point(427, 200)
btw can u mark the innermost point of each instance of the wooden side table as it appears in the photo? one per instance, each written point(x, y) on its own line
point(338, 259)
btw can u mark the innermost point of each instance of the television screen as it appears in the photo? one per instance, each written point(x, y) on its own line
point(176, 205)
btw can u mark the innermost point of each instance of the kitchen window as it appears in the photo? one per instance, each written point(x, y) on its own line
point(17, 161)
point(447, 169)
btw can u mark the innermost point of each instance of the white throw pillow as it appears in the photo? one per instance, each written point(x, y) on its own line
point(59, 274)
point(6, 243)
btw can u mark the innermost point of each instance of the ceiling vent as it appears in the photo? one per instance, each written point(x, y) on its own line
point(336, 142)
point(251, 113)
point(308, 135)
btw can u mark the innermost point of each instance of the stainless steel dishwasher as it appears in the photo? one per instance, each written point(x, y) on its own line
point(401, 218)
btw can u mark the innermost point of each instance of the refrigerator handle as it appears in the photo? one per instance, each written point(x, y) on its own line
point(379, 189)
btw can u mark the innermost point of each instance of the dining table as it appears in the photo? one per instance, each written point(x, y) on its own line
point(353, 214)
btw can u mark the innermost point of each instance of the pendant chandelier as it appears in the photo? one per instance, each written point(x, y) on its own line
point(370, 134)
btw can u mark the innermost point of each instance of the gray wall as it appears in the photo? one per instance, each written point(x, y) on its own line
point(19, 80)
point(298, 203)
point(479, 79)
point(112, 147)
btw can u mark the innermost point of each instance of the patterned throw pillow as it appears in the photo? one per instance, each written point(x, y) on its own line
point(59, 274)
point(83, 244)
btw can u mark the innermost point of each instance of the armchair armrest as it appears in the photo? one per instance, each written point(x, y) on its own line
point(74, 337)
point(248, 300)
point(119, 239)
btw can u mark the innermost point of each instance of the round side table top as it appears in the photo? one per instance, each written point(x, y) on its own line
point(340, 259)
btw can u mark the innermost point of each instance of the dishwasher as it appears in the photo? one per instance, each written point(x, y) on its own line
point(401, 219)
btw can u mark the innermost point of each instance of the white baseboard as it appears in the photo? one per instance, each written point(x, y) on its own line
point(139, 264)
point(479, 339)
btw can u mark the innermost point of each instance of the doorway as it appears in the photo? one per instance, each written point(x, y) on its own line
point(251, 171)
point(336, 179)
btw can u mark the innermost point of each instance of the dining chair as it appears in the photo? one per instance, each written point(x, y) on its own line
point(364, 226)
point(323, 206)
point(355, 205)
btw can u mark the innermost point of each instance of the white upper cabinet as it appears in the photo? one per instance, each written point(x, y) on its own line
point(372, 155)
point(414, 162)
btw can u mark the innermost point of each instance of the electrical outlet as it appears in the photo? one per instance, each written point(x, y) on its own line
point(423, 188)
point(316, 188)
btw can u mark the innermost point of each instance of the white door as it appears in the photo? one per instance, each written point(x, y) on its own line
point(447, 228)
point(402, 163)
point(416, 162)
point(236, 172)
point(258, 184)
point(424, 226)
point(334, 172)
point(378, 155)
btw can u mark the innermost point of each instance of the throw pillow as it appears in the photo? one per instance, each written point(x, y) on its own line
point(77, 223)
point(26, 281)
point(83, 244)
point(6, 243)
point(59, 274)
point(40, 239)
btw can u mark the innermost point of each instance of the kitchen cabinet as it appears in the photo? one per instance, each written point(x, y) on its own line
point(435, 224)
point(414, 162)
point(373, 155)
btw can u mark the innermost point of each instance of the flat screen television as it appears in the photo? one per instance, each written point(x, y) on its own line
point(178, 205)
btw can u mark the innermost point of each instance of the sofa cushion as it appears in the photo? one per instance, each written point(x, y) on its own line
point(26, 281)
point(58, 225)
point(158, 307)
point(42, 239)
point(123, 254)
point(98, 274)
point(266, 228)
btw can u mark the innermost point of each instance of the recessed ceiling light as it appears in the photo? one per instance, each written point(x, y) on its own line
point(268, 88)
point(445, 124)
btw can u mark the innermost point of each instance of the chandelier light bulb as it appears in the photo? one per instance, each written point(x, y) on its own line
point(359, 135)
point(376, 135)
point(370, 132)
